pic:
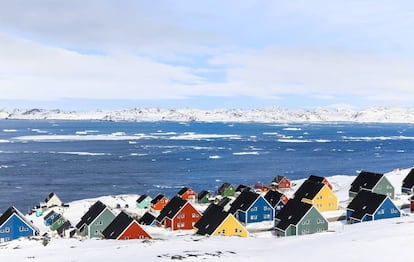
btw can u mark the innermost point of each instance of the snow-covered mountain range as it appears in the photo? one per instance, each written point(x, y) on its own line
point(271, 114)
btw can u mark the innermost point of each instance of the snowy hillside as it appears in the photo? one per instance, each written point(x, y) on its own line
point(272, 114)
point(358, 242)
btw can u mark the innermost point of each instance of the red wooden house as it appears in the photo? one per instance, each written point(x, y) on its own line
point(159, 202)
point(187, 194)
point(281, 182)
point(124, 227)
point(178, 214)
point(319, 179)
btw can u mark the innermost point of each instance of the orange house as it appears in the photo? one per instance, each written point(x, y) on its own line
point(187, 194)
point(281, 182)
point(159, 202)
point(124, 227)
point(178, 214)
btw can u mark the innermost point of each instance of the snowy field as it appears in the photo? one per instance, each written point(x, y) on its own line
point(370, 241)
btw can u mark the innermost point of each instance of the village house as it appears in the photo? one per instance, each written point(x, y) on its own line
point(49, 217)
point(178, 214)
point(124, 227)
point(299, 218)
point(368, 206)
point(204, 197)
point(226, 190)
point(408, 183)
point(281, 183)
point(187, 194)
point(216, 222)
point(319, 179)
point(14, 225)
point(250, 207)
point(148, 219)
point(317, 194)
point(276, 199)
point(51, 200)
point(374, 182)
point(95, 220)
point(144, 201)
point(158, 202)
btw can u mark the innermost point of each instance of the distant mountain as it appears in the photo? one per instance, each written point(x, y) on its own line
point(271, 114)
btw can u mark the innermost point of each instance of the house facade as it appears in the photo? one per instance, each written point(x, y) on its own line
point(317, 194)
point(374, 182)
point(281, 182)
point(226, 190)
point(57, 222)
point(299, 218)
point(188, 194)
point(159, 202)
point(124, 227)
point(250, 207)
point(204, 197)
point(49, 217)
point(178, 214)
point(51, 200)
point(95, 220)
point(144, 201)
point(14, 225)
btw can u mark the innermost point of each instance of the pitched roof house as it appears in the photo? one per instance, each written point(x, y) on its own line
point(367, 206)
point(281, 182)
point(124, 227)
point(412, 203)
point(319, 179)
point(14, 225)
point(408, 183)
point(216, 222)
point(148, 219)
point(57, 222)
point(144, 201)
point(299, 218)
point(374, 182)
point(276, 199)
point(178, 214)
point(159, 202)
point(51, 200)
point(187, 194)
point(226, 189)
point(242, 188)
point(49, 217)
point(250, 207)
point(95, 220)
point(317, 194)
point(204, 197)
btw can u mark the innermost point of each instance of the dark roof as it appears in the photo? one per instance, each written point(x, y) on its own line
point(49, 197)
point(202, 194)
point(224, 201)
point(182, 191)
point(172, 208)
point(365, 180)
point(273, 197)
point(308, 190)
point(157, 198)
point(117, 226)
point(12, 210)
point(49, 215)
point(412, 197)
point(243, 201)
point(212, 217)
point(92, 213)
point(66, 225)
point(241, 188)
point(313, 178)
point(141, 198)
point(365, 202)
point(408, 181)
point(223, 188)
point(147, 219)
point(277, 179)
point(56, 218)
point(292, 213)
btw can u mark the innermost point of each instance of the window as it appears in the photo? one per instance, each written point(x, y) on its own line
point(394, 211)
point(182, 216)
point(194, 215)
point(99, 223)
point(253, 209)
point(320, 221)
point(253, 217)
point(236, 230)
point(223, 231)
point(126, 238)
point(23, 229)
point(380, 212)
point(7, 230)
point(306, 222)
point(266, 216)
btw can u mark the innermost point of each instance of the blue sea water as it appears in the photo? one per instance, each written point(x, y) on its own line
point(84, 159)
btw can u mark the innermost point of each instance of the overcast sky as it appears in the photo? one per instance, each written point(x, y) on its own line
point(110, 54)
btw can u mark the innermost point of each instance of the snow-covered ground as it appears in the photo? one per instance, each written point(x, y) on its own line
point(271, 114)
point(370, 241)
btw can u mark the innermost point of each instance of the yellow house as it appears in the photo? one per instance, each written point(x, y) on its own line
point(318, 195)
point(216, 222)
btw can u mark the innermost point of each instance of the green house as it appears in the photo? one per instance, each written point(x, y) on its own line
point(374, 182)
point(144, 201)
point(57, 222)
point(204, 197)
point(226, 190)
point(299, 218)
point(98, 217)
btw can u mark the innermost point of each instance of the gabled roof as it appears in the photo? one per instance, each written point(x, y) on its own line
point(212, 217)
point(56, 218)
point(182, 191)
point(292, 213)
point(313, 178)
point(308, 190)
point(365, 202)
point(12, 210)
point(223, 187)
point(277, 179)
point(408, 181)
point(224, 201)
point(117, 226)
point(51, 213)
point(243, 201)
point(242, 188)
point(141, 198)
point(172, 208)
point(92, 213)
point(273, 197)
point(366, 180)
point(49, 197)
point(202, 194)
point(157, 198)
point(147, 219)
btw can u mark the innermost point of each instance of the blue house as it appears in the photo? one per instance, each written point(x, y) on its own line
point(368, 206)
point(49, 217)
point(14, 225)
point(250, 207)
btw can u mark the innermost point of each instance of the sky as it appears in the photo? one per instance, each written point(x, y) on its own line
point(108, 54)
